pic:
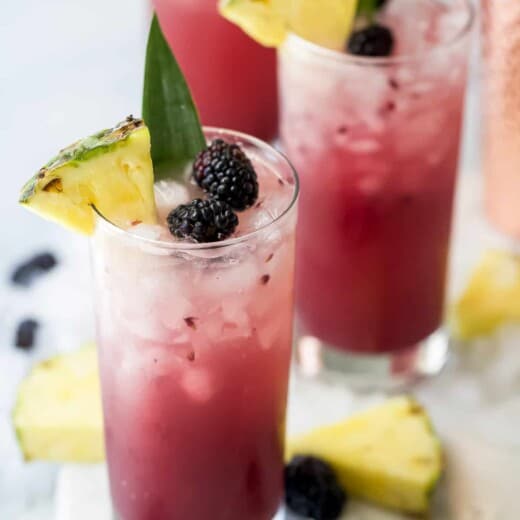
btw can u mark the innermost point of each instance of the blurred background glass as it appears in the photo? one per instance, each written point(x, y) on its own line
point(378, 162)
point(232, 78)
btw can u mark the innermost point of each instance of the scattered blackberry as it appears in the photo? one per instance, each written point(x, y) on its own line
point(375, 40)
point(312, 490)
point(25, 333)
point(203, 220)
point(225, 173)
point(26, 272)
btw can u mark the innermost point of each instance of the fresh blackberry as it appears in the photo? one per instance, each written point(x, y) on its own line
point(203, 220)
point(380, 3)
point(224, 171)
point(312, 490)
point(25, 273)
point(25, 333)
point(375, 40)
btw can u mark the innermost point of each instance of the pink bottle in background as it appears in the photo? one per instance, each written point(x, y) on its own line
point(501, 104)
point(232, 78)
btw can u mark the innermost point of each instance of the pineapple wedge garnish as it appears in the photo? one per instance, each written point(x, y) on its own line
point(388, 455)
point(110, 171)
point(326, 22)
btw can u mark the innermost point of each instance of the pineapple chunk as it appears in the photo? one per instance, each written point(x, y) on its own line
point(389, 454)
point(57, 416)
point(327, 22)
point(492, 297)
point(111, 171)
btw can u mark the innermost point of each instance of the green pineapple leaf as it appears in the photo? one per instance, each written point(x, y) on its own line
point(368, 9)
point(168, 109)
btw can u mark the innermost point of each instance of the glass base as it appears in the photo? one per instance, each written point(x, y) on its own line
point(281, 515)
point(389, 371)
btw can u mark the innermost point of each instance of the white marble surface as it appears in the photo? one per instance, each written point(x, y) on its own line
point(70, 67)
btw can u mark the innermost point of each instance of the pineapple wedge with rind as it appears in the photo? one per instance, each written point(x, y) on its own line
point(492, 297)
point(327, 22)
point(388, 455)
point(262, 20)
point(57, 416)
point(111, 171)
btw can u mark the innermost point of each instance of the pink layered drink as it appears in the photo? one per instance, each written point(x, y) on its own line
point(501, 138)
point(223, 67)
point(195, 343)
point(376, 141)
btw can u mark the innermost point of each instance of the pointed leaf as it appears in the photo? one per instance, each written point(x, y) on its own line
point(168, 109)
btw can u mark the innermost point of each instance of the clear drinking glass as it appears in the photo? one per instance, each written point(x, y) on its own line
point(194, 344)
point(376, 143)
point(501, 103)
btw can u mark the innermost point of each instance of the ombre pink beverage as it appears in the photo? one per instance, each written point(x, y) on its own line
point(376, 141)
point(232, 78)
point(195, 342)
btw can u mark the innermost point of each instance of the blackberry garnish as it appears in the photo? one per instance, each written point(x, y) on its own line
point(25, 273)
point(25, 333)
point(375, 40)
point(203, 220)
point(312, 490)
point(224, 171)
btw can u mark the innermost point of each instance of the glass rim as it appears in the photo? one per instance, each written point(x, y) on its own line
point(345, 58)
point(201, 246)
